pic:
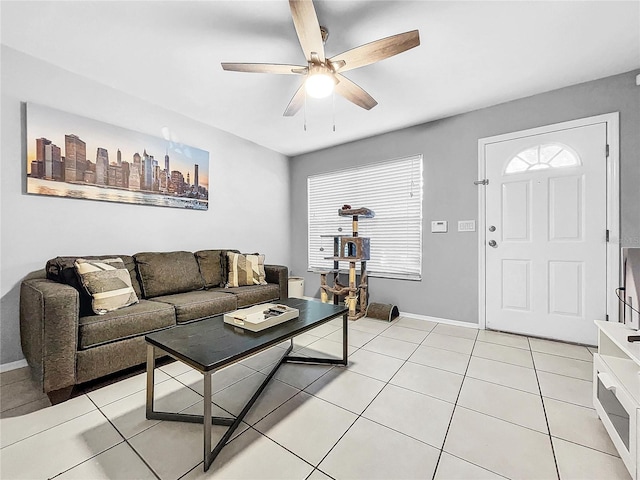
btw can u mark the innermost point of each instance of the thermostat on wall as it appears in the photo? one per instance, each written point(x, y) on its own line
point(439, 226)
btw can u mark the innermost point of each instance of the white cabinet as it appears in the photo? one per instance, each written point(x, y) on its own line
point(616, 389)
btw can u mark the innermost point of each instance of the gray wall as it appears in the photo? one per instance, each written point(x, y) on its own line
point(36, 228)
point(449, 287)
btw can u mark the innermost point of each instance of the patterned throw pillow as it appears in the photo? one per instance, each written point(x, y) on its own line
point(108, 283)
point(245, 270)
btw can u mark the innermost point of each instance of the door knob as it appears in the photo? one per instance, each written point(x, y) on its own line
point(492, 228)
point(493, 243)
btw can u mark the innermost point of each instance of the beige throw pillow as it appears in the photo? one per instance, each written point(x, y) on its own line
point(107, 282)
point(245, 270)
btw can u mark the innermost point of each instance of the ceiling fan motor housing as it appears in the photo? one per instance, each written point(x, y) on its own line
point(324, 32)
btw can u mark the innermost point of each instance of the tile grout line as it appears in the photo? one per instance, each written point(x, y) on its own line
point(358, 416)
point(537, 369)
point(84, 461)
point(396, 386)
point(4, 412)
point(456, 405)
point(50, 428)
point(388, 383)
point(479, 466)
point(416, 346)
point(404, 388)
point(345, 369)
point(615, 455)
point(252, 427)
point(107, 449)
point(19, 380)
point(127, 442)
point(544, 410)
point(437, 398)
point(160, 421)
point(126, 395)
point(453, 412)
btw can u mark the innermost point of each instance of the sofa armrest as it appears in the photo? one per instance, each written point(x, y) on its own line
point(49, 330)
point(278, 274)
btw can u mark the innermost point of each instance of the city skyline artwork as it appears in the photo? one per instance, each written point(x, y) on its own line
point(77, 157)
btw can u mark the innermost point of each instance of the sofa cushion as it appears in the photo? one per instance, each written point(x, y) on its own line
point(252, 294)
point(62, 270)
point(168, 272)
point(245, 269)
point(107, 282)
point(211, 263)
point(138, 319)
point(199, 304)
point(111, 357)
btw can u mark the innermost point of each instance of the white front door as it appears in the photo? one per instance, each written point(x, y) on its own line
point(545, 249)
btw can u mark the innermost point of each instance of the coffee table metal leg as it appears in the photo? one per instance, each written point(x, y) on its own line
point(151, 366)
point(207, 424)
point(327, 361)
point(345, 338)
point(152, 414)
point(209, 455)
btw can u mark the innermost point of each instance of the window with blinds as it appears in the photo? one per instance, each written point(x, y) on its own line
point(393, 190)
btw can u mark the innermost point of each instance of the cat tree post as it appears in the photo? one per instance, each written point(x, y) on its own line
point(353, 249)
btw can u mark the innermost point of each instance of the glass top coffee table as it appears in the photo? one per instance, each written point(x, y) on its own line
point(209, 344)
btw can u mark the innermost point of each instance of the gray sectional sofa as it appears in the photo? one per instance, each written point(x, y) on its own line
point(66, 344)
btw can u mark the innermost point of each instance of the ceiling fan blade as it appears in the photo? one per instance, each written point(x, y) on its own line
point(354, 93)
point(307, 27)
point(296, 102)
point(376, 51)
point(265, 68)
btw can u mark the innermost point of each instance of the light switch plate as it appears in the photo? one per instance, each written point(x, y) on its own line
point(466, 225)
point(439, 226)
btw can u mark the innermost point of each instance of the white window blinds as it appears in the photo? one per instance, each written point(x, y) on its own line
point(393, 190)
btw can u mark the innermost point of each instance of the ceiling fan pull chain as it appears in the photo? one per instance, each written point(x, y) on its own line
point(305, 109)
point(333, 107)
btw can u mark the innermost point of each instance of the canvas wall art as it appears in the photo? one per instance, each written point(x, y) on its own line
point(72, 156)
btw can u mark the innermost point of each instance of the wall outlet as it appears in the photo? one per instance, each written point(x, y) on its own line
point(467, 226)
point(439, 226)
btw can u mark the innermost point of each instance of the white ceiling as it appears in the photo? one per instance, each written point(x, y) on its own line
point(472, 54)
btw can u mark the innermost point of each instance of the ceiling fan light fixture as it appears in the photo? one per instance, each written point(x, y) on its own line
point(319, 85)
point(324, 74)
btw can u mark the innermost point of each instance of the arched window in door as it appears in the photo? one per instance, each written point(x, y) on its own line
point(542, 157)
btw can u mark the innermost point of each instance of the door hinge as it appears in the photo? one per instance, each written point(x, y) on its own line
point(482, 182)
point(606, 317)
point(606, 151)
point(607, 235)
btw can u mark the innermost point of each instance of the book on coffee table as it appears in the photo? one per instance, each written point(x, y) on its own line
point(262, 316)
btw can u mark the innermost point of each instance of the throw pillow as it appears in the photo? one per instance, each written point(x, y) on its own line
point(166, 273)
point(63, 270)
point(108, 283)
point(211, 267)
point(245, 270)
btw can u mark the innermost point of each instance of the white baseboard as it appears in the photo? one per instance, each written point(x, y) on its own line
point(5, 367)
point(457, 323)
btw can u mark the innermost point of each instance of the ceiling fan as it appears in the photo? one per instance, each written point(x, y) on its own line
point(324, 75)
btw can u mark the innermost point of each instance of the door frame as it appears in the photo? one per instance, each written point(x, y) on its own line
point(612, 121)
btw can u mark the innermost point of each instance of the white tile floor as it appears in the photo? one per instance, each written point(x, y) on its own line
point(418, 401)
